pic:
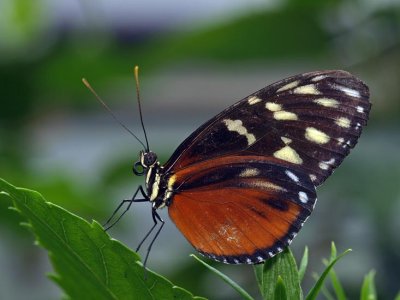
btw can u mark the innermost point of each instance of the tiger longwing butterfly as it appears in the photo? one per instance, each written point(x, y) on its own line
point(242, 185)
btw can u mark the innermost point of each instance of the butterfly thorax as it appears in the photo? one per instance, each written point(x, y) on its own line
point(157, 190)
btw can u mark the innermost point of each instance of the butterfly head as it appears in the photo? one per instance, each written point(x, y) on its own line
point(147, 159)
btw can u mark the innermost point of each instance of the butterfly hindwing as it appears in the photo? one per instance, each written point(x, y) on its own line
point(310, 120)
point(241, 209)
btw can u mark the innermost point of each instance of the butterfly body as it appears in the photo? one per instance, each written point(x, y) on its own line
point(242, 185)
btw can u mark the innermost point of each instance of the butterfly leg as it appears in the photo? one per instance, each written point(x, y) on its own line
point(156, 217)
point(130, 201)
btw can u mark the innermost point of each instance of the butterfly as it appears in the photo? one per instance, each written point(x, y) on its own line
point(241, 186)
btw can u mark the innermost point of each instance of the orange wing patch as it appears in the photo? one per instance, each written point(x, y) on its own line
point(236, 226)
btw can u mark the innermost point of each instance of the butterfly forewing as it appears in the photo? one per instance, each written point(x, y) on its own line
point(241, 186)
point(311, 120)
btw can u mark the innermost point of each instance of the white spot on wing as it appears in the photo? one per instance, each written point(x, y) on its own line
point(237, 126)
point(316, 136)
point(360, 109)
point(292, 176)
point(324, 165)
point(319, 77)
point(249, 172)
point(313, 177)
point(327, 102)
point(309, 89)
point(268, 185)
point(348, 91)
point(253, 100)
point(288, 86)
point(303, 197)
point(273, 106)
point(343, 122)
point(284, 115)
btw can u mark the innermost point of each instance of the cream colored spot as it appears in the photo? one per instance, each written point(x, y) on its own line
point(319, 77)
point(273, 106)
point(313, 177)
point(340, 141)
point(327, 102)
point(286, 140)
point(288, 86)
point(316, 136)
point(360, 109)
point(343, 122)
point(268, 185)
point(250, 172)
point(309, 89)
point(303, 197)
point(155, 187)
point(171, 182)
point(348, 91)
point(237, 126)
point(285, 115)
point(288, 154)
point(253, 100)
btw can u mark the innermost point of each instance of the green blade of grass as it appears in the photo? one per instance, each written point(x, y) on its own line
point(283, 265)
point(318, 285)
point(225, 278)
point(368, 291)
point(303, 264)
point(324, 290)
point(280, 290)
point(337, 286)
point(88, 264)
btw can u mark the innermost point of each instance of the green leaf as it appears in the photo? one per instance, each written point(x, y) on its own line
point(327, 294)
point(258, 272)
point(280, 290)
point(368, 291)
point(318, 285)
point(337, 286)
point(88, 264)
point(283, 265)
point(225, 278)
point(303, 264)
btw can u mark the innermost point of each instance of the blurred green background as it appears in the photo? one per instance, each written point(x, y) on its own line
point(196, 58)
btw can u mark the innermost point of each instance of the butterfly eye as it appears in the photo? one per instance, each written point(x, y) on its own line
point(149, 159)
point(138, 168)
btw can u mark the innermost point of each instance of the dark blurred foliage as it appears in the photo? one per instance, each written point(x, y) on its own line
point(43, 104)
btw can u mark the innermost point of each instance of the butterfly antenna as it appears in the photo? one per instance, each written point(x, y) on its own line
point(86, 83)
point(136, 72)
